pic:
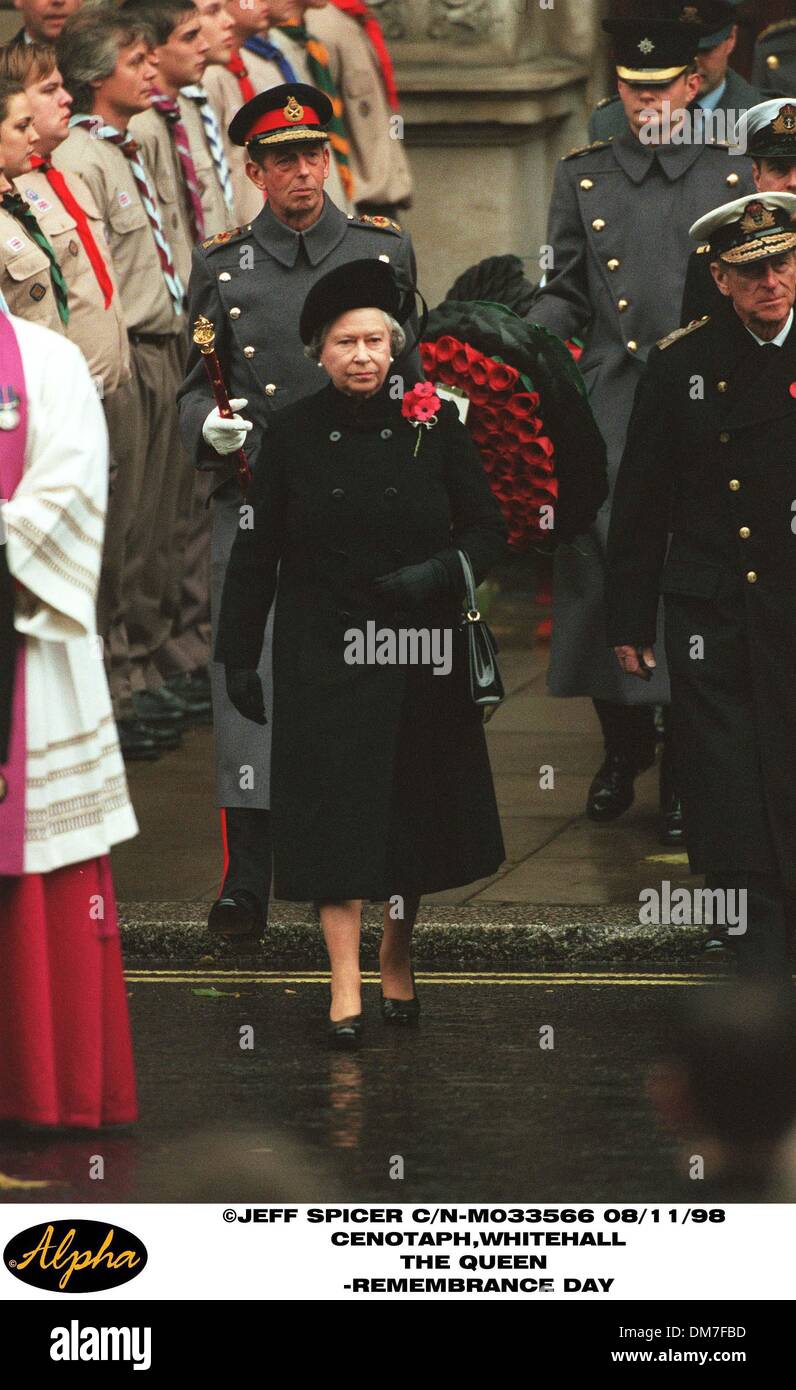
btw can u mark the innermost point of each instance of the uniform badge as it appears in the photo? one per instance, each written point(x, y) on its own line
point(646, 46)
point(785, 122)
point(123, 199)
point(31, 195)
point(37, 292)
point(690, 15)
point(42, 205)
point(757, 218)
point(9, 408)
point(15, 243)
point(293, 111)
point(73, 248)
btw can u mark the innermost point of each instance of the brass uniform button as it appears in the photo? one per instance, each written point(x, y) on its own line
point(225, 276)
point(724, 437)
point(732, 179)
point(735, 486)
point(586, 184)
point(248, 352)
point(598, 224)
point(744, 533)
point(751, 577)
point(772, 61)
point(622, 304)
point(722, 386)
point(613, 264)
point(270, 389)
point(234, 313)
point(632, 345)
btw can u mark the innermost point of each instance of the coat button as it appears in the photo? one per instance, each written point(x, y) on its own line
point(391, 492)
point(586, 184)
point(735, 486)
point(613, 264)
point(248, 352)
point(335, 435)
point(386, 434)
point(338, 494)
point(722, 386)
point(751, 577)
point(225, 276)
point(384, 258)
point(724, 437)
point(234, 313)
point(632, 345)
point(772, 61)
point(622, 304)
point(732, 179)
point(598, 225)
point(744, 533)
point(270, 389)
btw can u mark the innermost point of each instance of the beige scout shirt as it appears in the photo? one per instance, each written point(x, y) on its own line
point(152, 133)
point(100, 333)
point(378, 160)
point(218, 217)
point(224, 92)
point(25, 276)
point(297, 58)
point(146, 302)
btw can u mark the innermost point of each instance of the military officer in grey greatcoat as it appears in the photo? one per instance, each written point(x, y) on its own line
point(618, 234)
point(722, 90)
point(715, 468)
point(251, 284)
point(774, 66)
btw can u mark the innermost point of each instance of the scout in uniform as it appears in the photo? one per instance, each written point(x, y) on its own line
point(716, 470)
point(382, 180)
point(238, 80)
point(618, 228)
point(768, 135)
point(774, 66)
point(152, 295)
point(251, 285)
point(723, 90)
point(30, 276)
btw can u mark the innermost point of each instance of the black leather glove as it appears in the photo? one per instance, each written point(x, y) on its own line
point(245, 690)
point(413, 585)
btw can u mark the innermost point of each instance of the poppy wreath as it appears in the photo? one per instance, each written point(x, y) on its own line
point(488, 352)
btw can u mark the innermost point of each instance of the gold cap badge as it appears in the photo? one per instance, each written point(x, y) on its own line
point(757, 218)
point(785, 122)
point(293, 111)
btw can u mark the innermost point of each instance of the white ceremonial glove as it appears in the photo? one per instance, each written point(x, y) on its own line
point(226, 436)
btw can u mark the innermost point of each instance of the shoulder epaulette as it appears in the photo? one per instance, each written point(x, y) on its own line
point(382, 224)
point(778, 28)
point(719, 144)
point(605, 101)
point(586, 149)
point(221, 238)
point(683, 332)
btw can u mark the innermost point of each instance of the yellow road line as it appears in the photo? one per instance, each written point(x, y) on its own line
point(547, 980)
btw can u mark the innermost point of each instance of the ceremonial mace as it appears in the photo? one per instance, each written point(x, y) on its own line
point(204, 336)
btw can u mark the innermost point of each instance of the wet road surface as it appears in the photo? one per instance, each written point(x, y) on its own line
point(468, 1105)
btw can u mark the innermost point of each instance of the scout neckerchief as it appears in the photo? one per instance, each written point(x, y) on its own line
point(15, 204)
point(320, 72)
point(214, 141)
point(366, 18)
point(129, 149)
point(62, 191)
point(265, 49)
point(237, 67)
point(168, 108)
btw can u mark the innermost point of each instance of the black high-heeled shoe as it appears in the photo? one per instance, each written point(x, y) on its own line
point(345, 1034)
point(401, 1011)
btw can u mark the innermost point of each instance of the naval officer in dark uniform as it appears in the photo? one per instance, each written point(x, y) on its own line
point(619, 234)
point(716, 469)
point(767, 133)
point(251, 283)
point(722, 90)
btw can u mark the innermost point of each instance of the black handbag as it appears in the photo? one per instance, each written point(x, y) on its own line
point(486, 685)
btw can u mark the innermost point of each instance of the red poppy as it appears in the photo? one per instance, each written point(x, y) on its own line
point(501, 376)
point(446, 347)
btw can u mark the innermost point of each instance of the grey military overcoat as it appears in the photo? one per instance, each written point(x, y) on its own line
point(251, 283)
point(618, 229)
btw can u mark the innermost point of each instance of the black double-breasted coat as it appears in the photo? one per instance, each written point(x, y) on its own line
point(711, 456)
point(380, 775)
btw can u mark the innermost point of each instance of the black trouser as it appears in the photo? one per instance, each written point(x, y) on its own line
point(628, 729)
point(249, 849)
point(763, 950)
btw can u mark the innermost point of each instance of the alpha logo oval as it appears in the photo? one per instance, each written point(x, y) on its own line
point(76, 1256)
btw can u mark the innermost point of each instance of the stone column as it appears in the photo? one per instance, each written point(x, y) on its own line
point(493, 92)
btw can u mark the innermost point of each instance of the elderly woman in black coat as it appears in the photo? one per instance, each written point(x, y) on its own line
point(381, 786)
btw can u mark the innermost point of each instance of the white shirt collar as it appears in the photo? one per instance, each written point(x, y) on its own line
point(781, 336)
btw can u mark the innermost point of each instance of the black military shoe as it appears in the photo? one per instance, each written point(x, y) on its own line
point(671, 830)
point(193, 688)
point(167, 737)
point(611, 792)
point(235, 914)
point(159, 706)
point(136, 741)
